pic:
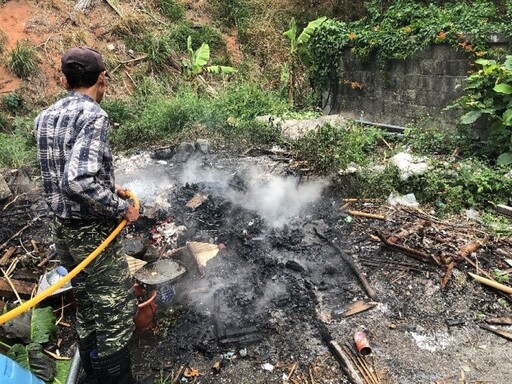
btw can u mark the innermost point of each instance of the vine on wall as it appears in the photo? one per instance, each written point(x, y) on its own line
point(404, 28)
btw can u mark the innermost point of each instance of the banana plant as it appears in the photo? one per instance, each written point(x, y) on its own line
point(35, 328)
point(197, 60)
point(298, 48)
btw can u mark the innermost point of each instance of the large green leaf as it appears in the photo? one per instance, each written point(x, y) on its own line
point(202, 55)
point(291, 34)
point(504, 159)
point(503, 88)
point(63, 367)
point(41, 365)
point(507, 117)
point(308, 31)
point(42, 325)
point(32, 358)
point(470, 117)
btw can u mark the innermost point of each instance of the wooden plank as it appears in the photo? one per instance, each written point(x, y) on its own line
point(23, 288)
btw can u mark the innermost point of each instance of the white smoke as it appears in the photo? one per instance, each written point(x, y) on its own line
point(276, 199)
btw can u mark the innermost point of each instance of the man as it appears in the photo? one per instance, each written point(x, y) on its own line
point(78, 180)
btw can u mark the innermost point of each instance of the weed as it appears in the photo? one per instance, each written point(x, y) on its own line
point(425, 138)
point(158, 48)
point(16, 152)
point(232, 13)
point(3, 41)
point(332, 148)
point(132, 24)
point(172, 9)
point(12, 102)
point(4, 122)
point(500, 276)
point(22, 59)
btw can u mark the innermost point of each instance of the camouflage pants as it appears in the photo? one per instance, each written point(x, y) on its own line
point(103, 290)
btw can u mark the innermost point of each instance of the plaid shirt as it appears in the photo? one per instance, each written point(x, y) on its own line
point(76, 160)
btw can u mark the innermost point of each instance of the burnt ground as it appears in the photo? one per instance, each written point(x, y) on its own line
point(261, 299)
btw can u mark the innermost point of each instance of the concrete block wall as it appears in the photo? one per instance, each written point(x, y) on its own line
point(410, 90)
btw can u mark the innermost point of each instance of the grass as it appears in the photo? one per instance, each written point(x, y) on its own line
point(22, 59)
point(16, 151)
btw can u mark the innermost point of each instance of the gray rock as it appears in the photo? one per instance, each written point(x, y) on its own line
point(5, 192)
point(203, 146)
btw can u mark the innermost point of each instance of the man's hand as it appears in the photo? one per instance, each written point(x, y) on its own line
point(131, 215)
point(121, 192)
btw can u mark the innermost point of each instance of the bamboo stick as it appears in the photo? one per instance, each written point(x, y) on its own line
point(491, 283)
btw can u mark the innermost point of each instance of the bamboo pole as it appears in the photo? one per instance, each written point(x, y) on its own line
point(491, 283)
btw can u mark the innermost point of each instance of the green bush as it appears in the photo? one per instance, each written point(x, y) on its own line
point(488, 97)
point(450, 186)
point(333, 148)
point(22, 59)
point(200, 35)
point(158, 118)
point(12, 102)
point(428, 139)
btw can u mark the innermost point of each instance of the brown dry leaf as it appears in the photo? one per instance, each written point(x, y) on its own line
point(191, 372)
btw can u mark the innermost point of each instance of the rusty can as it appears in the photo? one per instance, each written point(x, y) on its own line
point(362, 344)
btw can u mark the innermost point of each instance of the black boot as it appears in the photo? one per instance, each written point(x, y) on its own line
point(113, 369)
point(85, 347)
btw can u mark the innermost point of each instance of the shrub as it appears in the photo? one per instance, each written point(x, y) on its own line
point(332, 148)
point(12, 102)
point(22, 59)
point(489, 97)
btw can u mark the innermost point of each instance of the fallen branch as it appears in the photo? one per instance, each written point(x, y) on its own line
point(403, 233)
point(407, 251)
point(491, 283)
point(367, 215)
point(499, 320)
point(369, 290)
point(504, 334)
point(7, 255)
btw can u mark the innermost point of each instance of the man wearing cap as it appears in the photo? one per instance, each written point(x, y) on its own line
point(78, 180)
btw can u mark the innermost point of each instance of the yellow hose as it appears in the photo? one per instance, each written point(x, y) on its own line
point(51, 289)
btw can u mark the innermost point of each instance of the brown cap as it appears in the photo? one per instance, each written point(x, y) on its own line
point(87, 59)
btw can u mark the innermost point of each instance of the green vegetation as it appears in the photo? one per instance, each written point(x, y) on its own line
point(33, 330)
point(22, 59)
point(489, 97)
point(172, 9)
point(403, 29)
point(335, 148)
